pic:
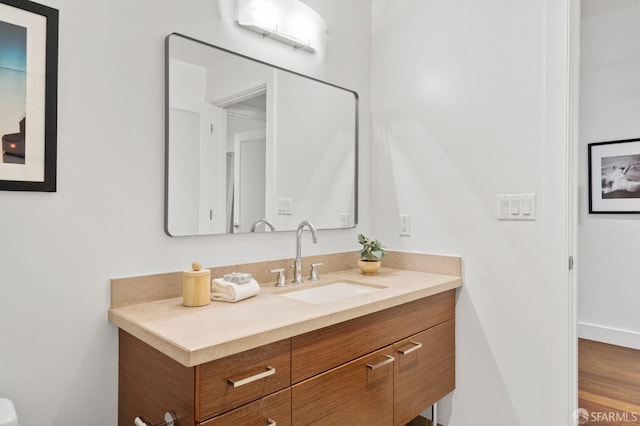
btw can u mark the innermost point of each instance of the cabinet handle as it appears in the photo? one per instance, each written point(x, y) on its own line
point(270, 371)
point(415, 347)
point(389, 360)
point(271, 422)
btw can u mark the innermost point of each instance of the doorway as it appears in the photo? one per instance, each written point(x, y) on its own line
point(607, 317)
point(244, 119)
point(249, 167)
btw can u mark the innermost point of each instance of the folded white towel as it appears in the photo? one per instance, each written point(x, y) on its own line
point(227, 291)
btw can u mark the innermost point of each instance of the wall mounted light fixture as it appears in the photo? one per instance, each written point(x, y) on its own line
point(288, 21)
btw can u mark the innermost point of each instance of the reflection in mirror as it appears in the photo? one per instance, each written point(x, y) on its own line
point(254, 148)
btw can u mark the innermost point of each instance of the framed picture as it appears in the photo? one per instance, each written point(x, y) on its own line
point(614, 176)
point(28, 96)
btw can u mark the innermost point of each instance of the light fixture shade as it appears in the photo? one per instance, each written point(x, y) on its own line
point(288, 21)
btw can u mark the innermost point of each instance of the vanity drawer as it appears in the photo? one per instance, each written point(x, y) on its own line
point(274, 409)
point(320, 350)
point(230, 382)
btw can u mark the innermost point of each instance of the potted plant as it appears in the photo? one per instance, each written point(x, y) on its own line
point(370, 255)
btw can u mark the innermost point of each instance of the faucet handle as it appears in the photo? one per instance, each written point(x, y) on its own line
point(314, 271)
point(280, 279)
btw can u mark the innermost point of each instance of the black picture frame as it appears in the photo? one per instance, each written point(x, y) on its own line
point(28, 157)
point(614, 177)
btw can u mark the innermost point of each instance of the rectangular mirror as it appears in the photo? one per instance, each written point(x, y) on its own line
point(252, 147)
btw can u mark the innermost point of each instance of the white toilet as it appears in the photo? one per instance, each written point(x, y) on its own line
point(8, 416)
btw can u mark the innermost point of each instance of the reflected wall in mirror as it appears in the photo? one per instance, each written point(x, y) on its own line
point(252, 147)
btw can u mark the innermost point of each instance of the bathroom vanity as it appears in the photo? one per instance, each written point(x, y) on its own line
point(381, 357)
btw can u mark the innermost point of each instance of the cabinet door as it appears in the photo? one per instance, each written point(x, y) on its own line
point(424, 370)
point(357, 393)
point(272, 410)
point(150, 383)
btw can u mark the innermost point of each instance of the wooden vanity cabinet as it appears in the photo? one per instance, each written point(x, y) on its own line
point(379, 369)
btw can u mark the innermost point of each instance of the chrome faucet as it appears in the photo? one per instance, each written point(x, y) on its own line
point(258, 222)
point(297, 266)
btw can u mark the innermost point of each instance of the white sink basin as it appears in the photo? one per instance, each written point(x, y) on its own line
point(330, 292)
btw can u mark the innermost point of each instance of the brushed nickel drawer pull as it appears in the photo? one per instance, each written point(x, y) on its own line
point(415, 347)
point(389, 360)
point(270, 371)
point(271, 422)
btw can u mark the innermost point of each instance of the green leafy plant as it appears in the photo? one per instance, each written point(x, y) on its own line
point(372, 250)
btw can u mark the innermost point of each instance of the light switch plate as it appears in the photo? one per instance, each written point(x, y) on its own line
point(285, 206)
point(516, 206)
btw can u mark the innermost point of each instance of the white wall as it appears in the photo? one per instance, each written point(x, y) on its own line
point(58, 357)
point(609, 110)
point(467, 102)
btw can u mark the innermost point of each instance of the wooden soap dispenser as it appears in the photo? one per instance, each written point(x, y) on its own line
point(196, 286)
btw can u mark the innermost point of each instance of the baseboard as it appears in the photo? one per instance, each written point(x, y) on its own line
point(612, 336)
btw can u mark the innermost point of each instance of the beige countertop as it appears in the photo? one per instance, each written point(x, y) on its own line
point(194, 336)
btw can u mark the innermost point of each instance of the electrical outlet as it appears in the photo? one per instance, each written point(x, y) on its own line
point(405, 225)
point(344, 220)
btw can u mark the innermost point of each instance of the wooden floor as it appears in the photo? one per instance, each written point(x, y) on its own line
point(609, 383)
